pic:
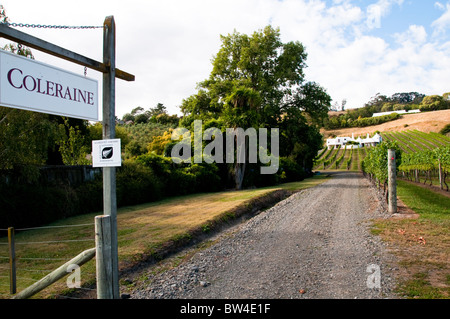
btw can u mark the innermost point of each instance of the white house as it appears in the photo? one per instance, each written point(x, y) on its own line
point(362, 142)
point(337, 142)
point(371, 141)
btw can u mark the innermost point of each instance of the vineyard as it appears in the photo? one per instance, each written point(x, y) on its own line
point(425, 156)
point(340, 159)
point(421, 157)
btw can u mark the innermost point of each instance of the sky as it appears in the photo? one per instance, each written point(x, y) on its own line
point(356, 48)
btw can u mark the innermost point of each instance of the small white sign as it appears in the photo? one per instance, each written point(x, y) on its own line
point(31, 85)
point(106, 153)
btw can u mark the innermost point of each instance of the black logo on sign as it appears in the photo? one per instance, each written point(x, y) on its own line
point(107, 152)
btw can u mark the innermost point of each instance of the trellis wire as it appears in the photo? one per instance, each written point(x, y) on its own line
point(60, 226)
point(50, 241)
point(41, 258)
point(54, 241)
point(43, 242)
point(43, 227)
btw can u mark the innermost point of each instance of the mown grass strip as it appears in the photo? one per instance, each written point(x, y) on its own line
point(430, 205)
point(419, 139)
point(440, 137)
point(407, 142)
point(425, 139)
point(338, 162)
point(318, 163)
point(388, 137)
point(355, 160)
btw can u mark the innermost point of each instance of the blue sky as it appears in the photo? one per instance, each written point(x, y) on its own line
point(356, 48)
point(400, 17)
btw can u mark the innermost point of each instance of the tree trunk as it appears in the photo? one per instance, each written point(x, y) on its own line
point(443, 179)
point(239, 168)
point(239, 171)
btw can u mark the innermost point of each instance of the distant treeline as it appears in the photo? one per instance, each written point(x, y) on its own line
point(361, 117)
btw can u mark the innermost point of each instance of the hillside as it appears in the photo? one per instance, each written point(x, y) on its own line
point(424, 122)
point(414, 133)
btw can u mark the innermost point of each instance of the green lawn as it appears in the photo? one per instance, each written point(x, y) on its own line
point(428, 204)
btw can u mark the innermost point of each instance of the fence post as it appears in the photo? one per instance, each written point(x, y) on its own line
point(105, 289)
point(392, 182)
point(12, 261)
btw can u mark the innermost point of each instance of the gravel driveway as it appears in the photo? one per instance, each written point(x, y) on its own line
point(314, 244)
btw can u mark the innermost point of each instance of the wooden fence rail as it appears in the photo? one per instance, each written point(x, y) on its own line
point(55, 275)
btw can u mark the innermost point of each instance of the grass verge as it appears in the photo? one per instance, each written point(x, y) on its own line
point(146, 233)
point(422, 244)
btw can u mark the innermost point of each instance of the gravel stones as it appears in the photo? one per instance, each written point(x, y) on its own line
point(314, 244)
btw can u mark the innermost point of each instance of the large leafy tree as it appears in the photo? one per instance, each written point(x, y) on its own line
point(260, 62)
point(25, 136)
point(433, 103)
point(258, 81)
point(30, 139)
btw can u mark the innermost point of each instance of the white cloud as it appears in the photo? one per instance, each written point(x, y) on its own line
point(443, 22)
point(169, 44)
point(439, 5)
point(378, 10)
point(415, 34)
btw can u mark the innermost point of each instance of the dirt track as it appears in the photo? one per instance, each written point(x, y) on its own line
point(314, 244)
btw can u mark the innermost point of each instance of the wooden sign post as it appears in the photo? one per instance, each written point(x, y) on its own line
point(109, 132)
point(110, 285)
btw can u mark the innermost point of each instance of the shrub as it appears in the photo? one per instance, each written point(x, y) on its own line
point(445, 130)
point(136, 184)
point(28, 205)
point(180, 179)
point(181, 183)
point(335, 123)
point(433, 103)
point(90, 194)
point(160, 165)
point(290, 171)
point(206, 177)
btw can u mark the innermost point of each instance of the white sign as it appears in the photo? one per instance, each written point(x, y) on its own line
point(106, 153)
point(31, 85)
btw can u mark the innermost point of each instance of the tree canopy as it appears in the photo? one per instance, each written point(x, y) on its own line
point(258, 81)
point(259, 65)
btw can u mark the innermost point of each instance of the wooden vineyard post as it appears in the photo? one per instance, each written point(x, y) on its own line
point(392, 182)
